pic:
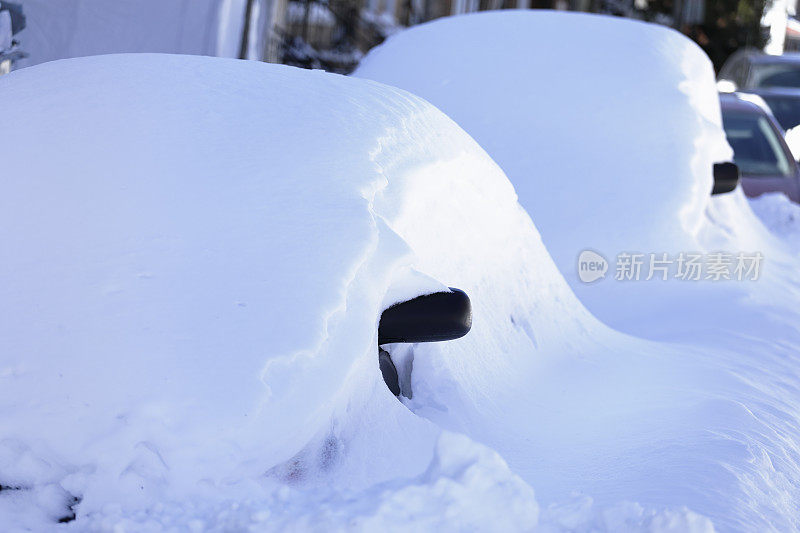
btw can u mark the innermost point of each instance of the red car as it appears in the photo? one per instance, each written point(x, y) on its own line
point(765, 162)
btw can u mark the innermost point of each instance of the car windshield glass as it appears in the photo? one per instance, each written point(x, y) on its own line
point(776, 75)
point(756, 147)
point(786, 110)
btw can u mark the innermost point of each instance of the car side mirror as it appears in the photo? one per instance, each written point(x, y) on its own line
point(726, 177)
point(441, 316)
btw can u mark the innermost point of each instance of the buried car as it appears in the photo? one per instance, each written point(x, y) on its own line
point(202, 263)
point(197, 279)
point(196, 259)
point(764, 159)
point(624, 171)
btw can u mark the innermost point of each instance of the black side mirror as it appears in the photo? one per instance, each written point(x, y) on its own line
point(726, 177)
point(441, 316)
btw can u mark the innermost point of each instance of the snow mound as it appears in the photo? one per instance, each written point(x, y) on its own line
point(196, 258)
point(606, 153)
point(609, 129)
point(197, 252)
point(780, 215)
point(610, 144)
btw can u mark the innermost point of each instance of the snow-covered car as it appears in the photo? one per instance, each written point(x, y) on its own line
point(200, 260)
point(628, 168)
point(609, 130)
point(196, 254)
point(776, 79)
point(764, 159)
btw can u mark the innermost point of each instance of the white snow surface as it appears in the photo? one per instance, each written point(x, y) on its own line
point(195, 260)
point(780, 215)
point(609, 137)
point(610, 145)
point(793, 140)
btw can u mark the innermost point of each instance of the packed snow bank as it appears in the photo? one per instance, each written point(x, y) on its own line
point(74, 28)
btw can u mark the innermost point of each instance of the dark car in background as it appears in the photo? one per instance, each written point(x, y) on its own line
point(776, 79)
point(760, 151)
point(784, 102)
point(752, 69)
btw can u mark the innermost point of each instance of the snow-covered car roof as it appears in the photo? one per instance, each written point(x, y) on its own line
point(609, 144)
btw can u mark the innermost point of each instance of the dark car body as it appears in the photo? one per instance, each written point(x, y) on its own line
point(784, 102)
point(753, 69)
point(760, 151)
point(776, 79)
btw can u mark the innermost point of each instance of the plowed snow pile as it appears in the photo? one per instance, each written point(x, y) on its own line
point(196, 252)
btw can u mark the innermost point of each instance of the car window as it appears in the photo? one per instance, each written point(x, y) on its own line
point(756, 147)
point(776, 75)
point(786, 110)
point(740, 72)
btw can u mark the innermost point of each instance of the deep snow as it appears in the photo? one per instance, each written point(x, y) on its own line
point(610, 144)
point(202, 251)
point(194, 263)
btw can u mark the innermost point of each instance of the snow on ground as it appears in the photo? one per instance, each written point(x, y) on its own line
point(195, 260)
point(74, 28)
point(609, 139)
point(194, 267)
point(780, 215)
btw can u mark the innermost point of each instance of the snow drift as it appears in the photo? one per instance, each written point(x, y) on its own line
point(195, 259)
point(196, 254)
point(608, 128)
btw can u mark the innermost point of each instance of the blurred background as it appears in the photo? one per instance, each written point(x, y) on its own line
point(334, 34)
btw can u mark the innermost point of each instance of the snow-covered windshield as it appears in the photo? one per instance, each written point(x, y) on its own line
point(756, 147)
